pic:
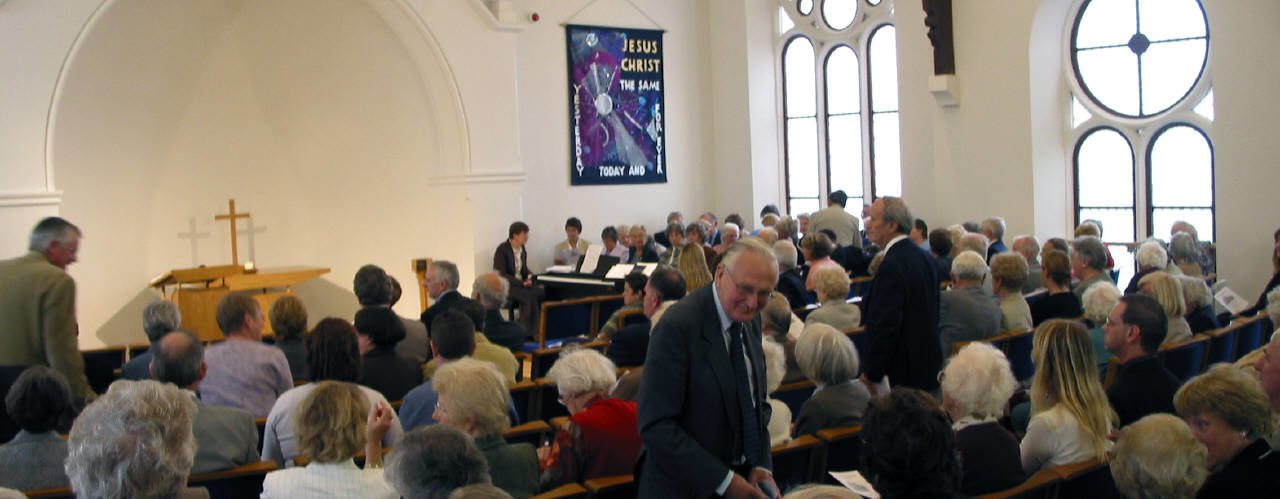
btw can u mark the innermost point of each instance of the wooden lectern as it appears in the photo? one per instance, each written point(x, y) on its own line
point(197, 291)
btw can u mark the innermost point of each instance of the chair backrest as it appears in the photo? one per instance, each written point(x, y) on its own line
point(566, 491)
point(531, 433)
point(608, 305)
point(1250, 335)
point(241, 481)
point(261, 424)
point(54, 493)
point(1017, 347)
point(632, 317)
point(1090, 479)
point(1185, 359)
point(794, 462)
point(1042, 485)
point(522, 395)
point(566, 318)
point(860, 286)
point(1222, 345)
point(612, 487)
point(843, 450)
point(860, 340)
point(794, 395)
point(549, 400)
point(101, 365)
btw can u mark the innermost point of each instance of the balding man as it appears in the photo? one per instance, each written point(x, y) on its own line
point(225, 437)
point(703, 415)
point(902, 307)
point(38, 304)
point(1029, 247)
point(490, 291)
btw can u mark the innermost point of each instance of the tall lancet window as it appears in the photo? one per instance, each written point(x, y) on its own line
point(839, 98)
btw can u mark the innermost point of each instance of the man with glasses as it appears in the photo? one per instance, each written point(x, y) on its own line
point(703, 415)
point(902, 307)
point(1133, 333)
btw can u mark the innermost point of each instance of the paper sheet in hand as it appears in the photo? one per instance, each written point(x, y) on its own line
point(592, 258)
point(1230, 300)
point(854, 481)
point(619, 271)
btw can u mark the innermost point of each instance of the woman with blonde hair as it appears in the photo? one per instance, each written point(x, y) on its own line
point(832, 285)
point(1167, 291)
point(1230, 414)
point(1071, 417)
point(829, 359)
point(334, 422)
point(693, 265)
point(1158, 457)
point(473, 398)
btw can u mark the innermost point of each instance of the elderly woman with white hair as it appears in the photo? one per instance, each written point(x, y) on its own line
point(1151, 257)
point(1199, 301)
point(976, 386)
point(1098, 301)
point(1158, 456)
point(1167, 291)
point(832, 285)
point(829, 359)
point(473, 398)
point(601, 437)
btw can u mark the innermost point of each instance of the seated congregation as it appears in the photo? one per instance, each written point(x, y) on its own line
point(1051, 379)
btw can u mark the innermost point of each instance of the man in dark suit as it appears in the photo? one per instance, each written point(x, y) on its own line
point(490, 290)
point(902, 307)
point(703, 415)
point(511, 261)
point(442, 286)
point(630, 344)
point(1133, 332)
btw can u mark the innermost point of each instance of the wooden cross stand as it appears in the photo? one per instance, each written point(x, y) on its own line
point(231, 216)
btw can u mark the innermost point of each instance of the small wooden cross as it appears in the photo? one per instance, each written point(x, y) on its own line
point(232, 216)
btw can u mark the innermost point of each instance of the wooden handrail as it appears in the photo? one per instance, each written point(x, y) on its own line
point(1041, 479)
point(799, 443)
point(563, 491)
point(604, 484)
point(832, 434)
point(258, 468)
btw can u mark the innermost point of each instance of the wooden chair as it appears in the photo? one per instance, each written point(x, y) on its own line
point(54, 493)
point(605, 309)
point(843, 451)
point(241, 481)
point(1043, 484)
point(612, 487)
point(527, 405)
point(566, 491)
point(1185, 359)
point(1091, 478)
point(632, 317)
point(860, 286)
point(795, 395)
point(542, 359)
point(261, 424)
point(796, 462)
point(532, 433)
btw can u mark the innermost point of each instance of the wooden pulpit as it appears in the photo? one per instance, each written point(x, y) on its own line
point(197, 291)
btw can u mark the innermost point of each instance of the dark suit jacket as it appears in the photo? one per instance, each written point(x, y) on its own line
point(138, 368)
point(689, 416)
point(791, 285)
point(1141, 387)
point(649, 254)
point(504, 262)
point(389, 374)
point(996, 248)
point(967, 314)
point(853, 259)
point(446, 302)
point(629, 344)
point(902, 320)
point(503, 332)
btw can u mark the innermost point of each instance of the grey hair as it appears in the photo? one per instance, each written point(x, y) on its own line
point(1090, 251)
point(730, 226)
point(896, 211)
point(975, 242)
point(1029, 247)
point(826, 355)
point(448, 271)
point(1151, 255)
point(786, 226)
point(1159, 456)
point(1196, 292)
point(490, 296)
point(996, 226)
point(432, 461)
point(177, 363)
point(160, 317)
point(785, 251)
point(979, 380)
point(134, 441)
point(1098, 301)
point(583, 370)
point(745, 245)
point(49, 230)
point(775, 363)
point(1183, 248)
point(969, 265)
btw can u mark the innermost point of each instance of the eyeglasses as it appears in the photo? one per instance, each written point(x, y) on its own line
point(764, 295)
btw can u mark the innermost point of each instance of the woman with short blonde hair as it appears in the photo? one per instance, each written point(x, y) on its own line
point(473, 398)
point(829, 359)
point(1230, 414)
point(1071, 416)
point(832, 285)
point(1008, 272)
point(1167, 291)
point(1157, 457)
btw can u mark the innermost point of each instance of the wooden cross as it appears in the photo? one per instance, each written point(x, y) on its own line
point(232, 216)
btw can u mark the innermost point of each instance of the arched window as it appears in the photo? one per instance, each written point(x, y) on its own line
point(839, 81)
point(1141, 117)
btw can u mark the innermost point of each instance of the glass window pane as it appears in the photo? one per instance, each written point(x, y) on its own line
point(1111, 76)
point(1168, 19)
point(799, 76)
point(804, 6)
point(1169, 69)
point(1181, 169)
point(802, 156)
point(844, 147)
point(1162, 220)
point(888, 156)
point(873, 2)
point(853, 206)
point(843, 89)
point(1079, 114)
point(839, 14)
point(1104, 166)
point(1118, 223)
point(883, 59)
point(784, 21)
point(804, 205)
point(1205, 107)
point(1125, 263)
point(1106, 22)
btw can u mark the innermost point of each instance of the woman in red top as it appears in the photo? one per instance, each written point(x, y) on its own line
point(601, 437)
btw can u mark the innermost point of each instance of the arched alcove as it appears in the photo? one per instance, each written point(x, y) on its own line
point(328, 123)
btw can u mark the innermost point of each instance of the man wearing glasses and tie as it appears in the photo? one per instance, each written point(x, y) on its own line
point(703, 415)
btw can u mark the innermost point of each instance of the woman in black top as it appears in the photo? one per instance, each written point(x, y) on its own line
point(1058, 302)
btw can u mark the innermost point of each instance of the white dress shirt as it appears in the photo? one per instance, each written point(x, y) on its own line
point(322, 480)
